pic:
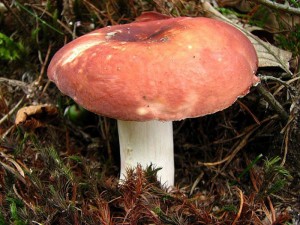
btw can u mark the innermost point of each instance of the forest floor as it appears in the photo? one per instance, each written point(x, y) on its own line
point(237, 166)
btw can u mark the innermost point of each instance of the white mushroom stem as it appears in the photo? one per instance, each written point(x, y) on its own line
point(145, 143)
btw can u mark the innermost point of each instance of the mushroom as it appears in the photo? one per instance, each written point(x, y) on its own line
point(151, 72)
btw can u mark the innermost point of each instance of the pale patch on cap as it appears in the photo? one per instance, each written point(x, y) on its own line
point(78, 51)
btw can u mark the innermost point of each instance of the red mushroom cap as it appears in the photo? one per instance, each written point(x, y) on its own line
point(157, 69)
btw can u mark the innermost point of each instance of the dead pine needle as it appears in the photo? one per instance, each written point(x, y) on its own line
point(241, 196)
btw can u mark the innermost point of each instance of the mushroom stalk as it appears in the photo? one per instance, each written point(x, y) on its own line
point(145, 143)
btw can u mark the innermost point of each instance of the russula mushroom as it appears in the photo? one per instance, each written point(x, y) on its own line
point(150, 72)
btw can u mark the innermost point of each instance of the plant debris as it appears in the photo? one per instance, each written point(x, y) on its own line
point(238, 166)
point(30, 117)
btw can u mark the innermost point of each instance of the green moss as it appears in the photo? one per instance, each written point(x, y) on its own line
point(9, 49)
point(290, 40)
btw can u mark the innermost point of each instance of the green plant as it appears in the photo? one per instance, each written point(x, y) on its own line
point(294, 3)
point(43, 22)
point(275, 176)
point(9, 49)
point(248, 168)
point(2, 219)
point(290, 40)
point(229, 208)
point(228, 11)
point(15, 206)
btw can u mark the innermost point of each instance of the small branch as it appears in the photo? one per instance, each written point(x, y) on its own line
point(3, 136)
point(278, 80)
point(44, 63)
point(282, 7)
point(13, 82)
point(44, 22)
point(264, 77)
point(235, 150)
point(273, 102)
point(11, 111)
point(20, 21)
point(286, 145)
point(273, 213)
point(241, 195)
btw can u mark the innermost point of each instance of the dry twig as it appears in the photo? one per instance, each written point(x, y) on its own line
point(282, 7)
point(273, 102)
point(20, 21)
point(238, 215)
point(11, 111)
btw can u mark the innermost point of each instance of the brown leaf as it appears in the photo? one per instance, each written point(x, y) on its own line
point(32, 117)
point(268, 55)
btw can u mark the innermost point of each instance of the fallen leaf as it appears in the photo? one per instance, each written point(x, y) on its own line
point(274, 21)
point(241, 5)
point(32, 117)
point(268, 55)
point(18, 167)
point(13, 171)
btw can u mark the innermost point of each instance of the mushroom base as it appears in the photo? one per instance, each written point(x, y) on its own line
point(147, 143)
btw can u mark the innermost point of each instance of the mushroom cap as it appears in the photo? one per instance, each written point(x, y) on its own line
point(157, 68)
